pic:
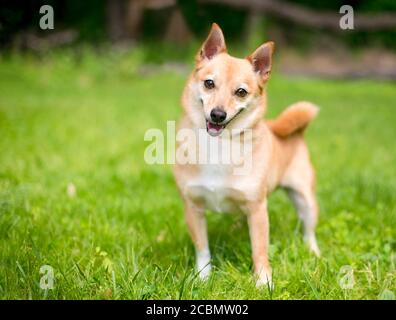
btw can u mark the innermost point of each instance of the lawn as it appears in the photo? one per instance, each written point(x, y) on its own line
point(76, 194)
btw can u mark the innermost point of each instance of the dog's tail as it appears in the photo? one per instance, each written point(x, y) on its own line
point(294, 119)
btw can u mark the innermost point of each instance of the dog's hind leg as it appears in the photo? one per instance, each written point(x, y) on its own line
point(304, 200)
point(299, 182)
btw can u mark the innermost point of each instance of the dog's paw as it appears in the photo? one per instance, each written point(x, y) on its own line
point(264, 280)
point(264, 284)
point(203, 264)
point(204, 273)
point(315, 249)
point(313, 245)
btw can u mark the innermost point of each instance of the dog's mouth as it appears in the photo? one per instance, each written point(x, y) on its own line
point(214, 129)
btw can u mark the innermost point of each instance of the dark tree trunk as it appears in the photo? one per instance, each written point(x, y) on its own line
point(115, 19)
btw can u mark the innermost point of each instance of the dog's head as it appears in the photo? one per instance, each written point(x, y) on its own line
point(224, 91)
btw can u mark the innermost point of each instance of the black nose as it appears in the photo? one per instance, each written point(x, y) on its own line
point(218, 115)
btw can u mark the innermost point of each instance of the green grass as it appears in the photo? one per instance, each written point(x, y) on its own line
point(123, 235)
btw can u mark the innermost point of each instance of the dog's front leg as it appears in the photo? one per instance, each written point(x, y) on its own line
point(196, 221)
point(259, 238)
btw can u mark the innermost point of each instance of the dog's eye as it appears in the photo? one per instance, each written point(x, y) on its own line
point(241, 92)
point(209, 84)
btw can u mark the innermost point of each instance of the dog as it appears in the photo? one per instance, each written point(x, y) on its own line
point(228, 93)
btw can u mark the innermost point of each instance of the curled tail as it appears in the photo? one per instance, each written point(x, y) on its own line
point(294, 119)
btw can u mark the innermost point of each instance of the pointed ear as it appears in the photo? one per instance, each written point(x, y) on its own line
point(261, 60)
point(213, 45)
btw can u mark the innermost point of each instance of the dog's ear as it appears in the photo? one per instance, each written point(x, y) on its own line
point(261, 60)
point(213, 45)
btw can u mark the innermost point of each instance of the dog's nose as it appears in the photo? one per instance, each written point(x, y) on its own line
point(218, 115)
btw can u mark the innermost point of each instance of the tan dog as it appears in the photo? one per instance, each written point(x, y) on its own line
point(227, 93)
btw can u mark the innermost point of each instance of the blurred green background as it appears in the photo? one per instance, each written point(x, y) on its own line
point(76, 194)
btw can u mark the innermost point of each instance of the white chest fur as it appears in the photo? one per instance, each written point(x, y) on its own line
point(220, 184)
point(216, 189)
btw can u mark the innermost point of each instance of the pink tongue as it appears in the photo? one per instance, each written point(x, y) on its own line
point(216, 127)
